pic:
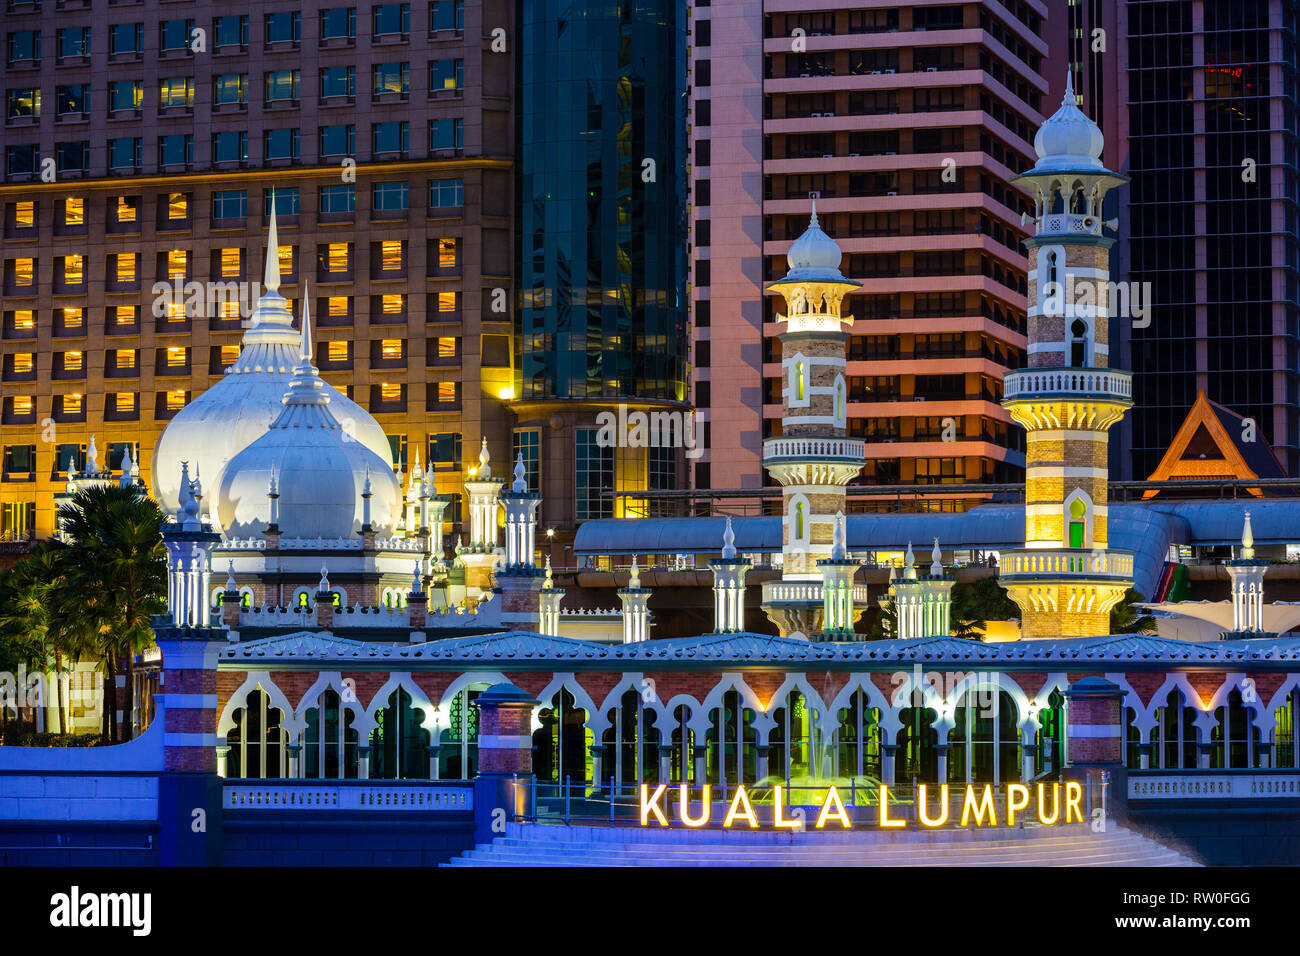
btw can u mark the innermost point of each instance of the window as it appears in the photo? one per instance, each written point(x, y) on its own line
point(390, 350)
point(595, 475)
point(22, 363)
point(124, 360)
point(338, 81)
point(444, 451)
point(446, 306)
point(72, 157)
point(391, 306)
point(21, 160)
point(24, 45)
point(228, 88)
point(390, 137)
point(178, 265)
point(338, 141)
point(176, 150)
point(176, 92)
point(24, 214)
point(337, 258)
point(446, 193)
point(178, 207)
point(175, 34)
point(447, 15)
point(73, 269)
point(125, 153)
point(390, 78)
point(20, 460)
point(392, 255)
point(74, 211)
point(444, 395)
point(69, 406)
point(390, 197)
point(338, 23)
point(230, 31)
point(338, 307)
point(281, 85)
point(443, 350)
point(72, 99)
point(280, 144)
point(73, 41)
point(283, 27)
point(125, 38)
point(446, 251)
point(338, 199)
point(24, 102)
point(446, 75)
point(125, 95)
point(73, 362)
point(19, 519)
point(124, 403)
point(338, 351)
point(230, 147)
point(124, 208)
point(124, 268)
point(286, 260)
point(174, 400)
point(230, 204)
point(22, 273)
point(286, 201)
point(21, 407)
point(391, 18)
point(176, 357)
point(446, 134)
point(390, 392)
point(123, 318)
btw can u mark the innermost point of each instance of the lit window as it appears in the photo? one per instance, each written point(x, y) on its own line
point(390, 255)
point(176, 356)
point(24, 320)
point(393, 304)
point(336, 257)
point(447, 347)
point(24, 405)
point(124, 402)
point(24, 214)
point(336, 351)
point(446, 253)
point(24, 362)
point(446, 302)
point(178, 264)
point(72, 404)
point(229, 353)
point(74, 212)
point(232, 262)
point(177, 91)
point(175, 400)
point(74, 269)
point(446, 393)
point(178, 206)
point(126, 267)
point(175, 311)
point(74, 361)
point(286, 260)
point(229, 309)
point(391, 348)
point(124, 359)
point(126, 208)
point(124, 315)
point(336, 307)
point(24, 272)
point(389, 392)
point(74, 317)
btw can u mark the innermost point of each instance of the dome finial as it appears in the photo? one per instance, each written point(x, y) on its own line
point(634, 579)
point(231, 585)
point(1069, 88)
point(271, 280)
point(936, 561)
point(909, 564)
point(484, 471)
point(306, 325)
point(324, 579)
point(520, 484)
point(1247, 540)
point(417, 585)
point(127, 465)
point(812, 221)
point(837, 538)
point(728, 542)
point(548, 582)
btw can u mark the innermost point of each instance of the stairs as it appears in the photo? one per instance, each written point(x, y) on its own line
point(526, 844)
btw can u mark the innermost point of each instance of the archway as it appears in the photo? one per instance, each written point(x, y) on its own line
point(731, 742)
point(1174, 736)
point(680, 764)
point(258, 740)
point(985, 738)
point(330, 739)
point(1235, 735)
point(858, 739)
point(562, 746)
point(399, 744)
point(918, 746)
point(630, 744)
point(1286, 747)
point(1050, 752)
point(458, 742)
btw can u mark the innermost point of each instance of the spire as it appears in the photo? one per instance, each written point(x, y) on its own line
point(936, 561)
point(837, 538)
point(306, 319)
point(547, 582)
point(520, 484)
point(484, 471)
point(634, 581)
point(271, 278)
point(812, 222)
point(230, 578)
point(324, 580)
point(272, 487)
point(728, 543)
point(416, 582)
point(365, 488)
point(1247, 540)
point(92, 457)
point(909, 564)
point(127, 464)
point(1069, 98)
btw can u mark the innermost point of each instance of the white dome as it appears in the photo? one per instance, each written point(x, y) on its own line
point(238, 409)
point(320, 472)
point(1069, 139)
point(814, 250)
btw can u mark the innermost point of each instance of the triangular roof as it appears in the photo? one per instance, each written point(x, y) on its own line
point(1209, 446)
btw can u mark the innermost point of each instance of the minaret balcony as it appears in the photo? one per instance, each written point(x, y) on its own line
point(1066, 563)
point(797, 448)
point(1098, 384)
point(1058, 223)
point(804, 594)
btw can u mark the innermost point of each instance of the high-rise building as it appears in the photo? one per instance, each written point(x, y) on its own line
point(905, 122)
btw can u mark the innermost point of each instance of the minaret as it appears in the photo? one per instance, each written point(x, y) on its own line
point(729, 586)
point(838, 611)
point(549, 597)
point(481, 554)
point(812, 458)
point(636, 612)
point(923, 603)
point(520, 579)
point(189, 543)
point(1066, 580)
point(1247, 574)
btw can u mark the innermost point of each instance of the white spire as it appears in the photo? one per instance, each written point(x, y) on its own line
point(547, 582)
point(936, 561)
point(127, 464)
point(416, 582)
point(92, 457)
point(365, 487)
point(909, 564)
point(1247, 540)
point(728, 542)
point(271, 278)
point(306, 318)
point(812, 221)
point(271, 485)
point(1069, 88)
point(484, 470)
point(520, 484)
point(837, 538)
point(634, 581)
point(324, 580)
point(230, 578)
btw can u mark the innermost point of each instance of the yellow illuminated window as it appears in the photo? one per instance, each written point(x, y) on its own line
point(23, 405)
point(336, 351)
point(446, 301)
point(286, 261)
point(176, 357)
point(178, 264)
point(178, 206)
point(126, 270)
point(232, 261)
point(24, 320)
point(390, 255)
point(24, 362)
point(446, 253)
point(124, 359)
point(228, 354)
point(446, 393)
point(175, 400)
point(388, 392)
point(74, 212)
point(74, 269)
point(229, 309)
point(24, 214)
point(393, 304)
point(336, 257)
point(72, 404)
point(74, 361)
point(446, 347)
point(175, 310)
point(74, 317)
point(124, 315)
point(336, 306)
point(177, 91)
point(391, 348)
point(124, 401)
point(126, 208)
point(24, 271)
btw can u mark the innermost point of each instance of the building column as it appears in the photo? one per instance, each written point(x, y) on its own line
point(942, 751)
point(597, 766)
point(363, 763)
point(764, 752)
point(505, 756)
point(295, 761)
point(700, 755)
point(887, 754)
point(1095, 743)
point(665, 763)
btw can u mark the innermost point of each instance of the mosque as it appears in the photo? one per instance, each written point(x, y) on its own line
point(349, 640)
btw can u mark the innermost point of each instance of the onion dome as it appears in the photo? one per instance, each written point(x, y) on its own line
point(1069, 140)
point(319, 470)
point(814, 252)
point(239, 408)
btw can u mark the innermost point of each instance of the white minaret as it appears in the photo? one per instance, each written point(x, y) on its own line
point(923, 602)
point(548, 612)
point(481, 554)
point(521, 519)
point(729, 586)
point(837, 588)
point(189, 543)
point(636, 611)
point(1247, 574)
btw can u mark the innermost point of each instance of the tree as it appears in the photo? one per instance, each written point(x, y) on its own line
point(885, 626)
point(977, 602)
point(1127, 618)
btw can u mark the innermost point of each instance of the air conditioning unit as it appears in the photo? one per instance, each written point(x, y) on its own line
point(828, 115)
point(889, 71)
point(816, 115)
point(932, 69)
point(892, 192)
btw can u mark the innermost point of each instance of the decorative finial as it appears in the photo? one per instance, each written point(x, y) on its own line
point(547, 582)
point(324, 580)
point(520, 484)
point(634, 581)
point(365, 487)
point(1247, 540)
point(909, 563)
point(837, 538)
point(127, 464)
point(272, 486)
point(484, 471)
point(936, 561)
point(812, 222)
point(92, 457)
point(416, 582)
point(184, 496)
point(230, 578)
point(271, 278)
point(306, 350)
point(728, 543)
point(1069, 88)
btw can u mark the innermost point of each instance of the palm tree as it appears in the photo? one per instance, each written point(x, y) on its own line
point(977, 602)
point(1127, 618)
point(120, 573)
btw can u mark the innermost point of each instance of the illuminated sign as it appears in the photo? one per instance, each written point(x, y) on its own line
point(1045, 804)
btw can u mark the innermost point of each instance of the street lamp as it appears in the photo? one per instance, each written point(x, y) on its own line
point(550, 543)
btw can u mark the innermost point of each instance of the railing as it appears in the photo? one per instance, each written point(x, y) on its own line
point(342, 795)
point(1069, 222)
point(1082, 563)
point(1044, 382)
point(794, 447)
point(803, 592)
point(1214, 785)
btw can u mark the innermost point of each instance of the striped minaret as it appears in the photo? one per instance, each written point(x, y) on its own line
point(1067, 578)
